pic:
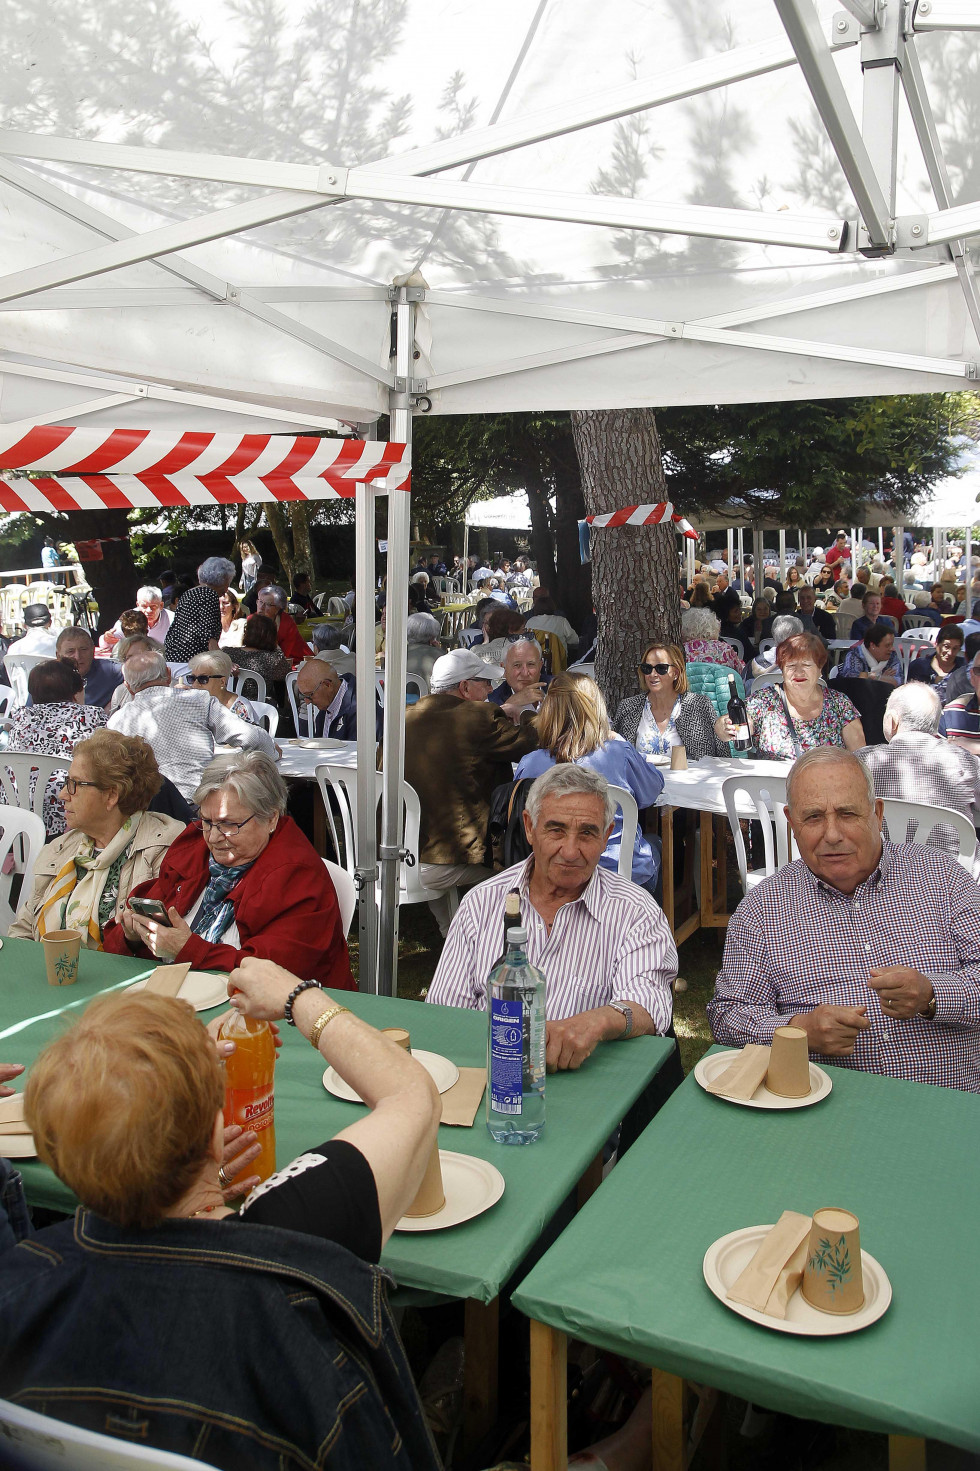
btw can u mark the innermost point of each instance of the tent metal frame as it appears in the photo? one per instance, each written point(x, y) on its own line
point(866, 149)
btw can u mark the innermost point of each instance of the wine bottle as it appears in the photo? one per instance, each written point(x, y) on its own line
point(739, 716)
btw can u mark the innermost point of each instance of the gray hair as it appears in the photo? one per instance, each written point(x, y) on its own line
point(252, 776)
point(525, 638)
point(421, 579)
point(145, 667)
point(211, 661)
point(915, 706)
point(276, 593)
point(153, 593)
point(421, 628)
point(785, 626)
point(569, 780)
point(216, 572)
point(699, 623)
point(828, 756)
point(325, 636)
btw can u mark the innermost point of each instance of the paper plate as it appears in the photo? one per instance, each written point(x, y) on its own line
point(472, 1186)
point(203, 989)
point(18, 1146)
point(319, 743)
point(710, 1068)
point(443, 1073)
point(732, 1253)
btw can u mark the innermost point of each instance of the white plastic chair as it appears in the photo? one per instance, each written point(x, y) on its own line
point(925, 632)
point(626, 803)
point(768, 796)
point(345, 890)
point(237, 682)
point(766, 644)
point(736, 644)
point(268, 715)
point(340, 782)
point(54, 1445)
point(918, 620)
point(11, 604)
point(337, 608)
point(18, 667)
point(7, 698)
point(22, 833)
point(293, 699)
point(24, 778)
point(917, 822)
point(416, 682)
point(759, 682)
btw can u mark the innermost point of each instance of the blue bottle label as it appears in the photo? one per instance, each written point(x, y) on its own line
point(506, 1056)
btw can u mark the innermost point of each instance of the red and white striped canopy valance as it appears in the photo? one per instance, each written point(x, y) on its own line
point(122, 492)
point(644, 516)
point(167, 467)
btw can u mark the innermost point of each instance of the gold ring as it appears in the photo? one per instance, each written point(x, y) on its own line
point(222, 1176)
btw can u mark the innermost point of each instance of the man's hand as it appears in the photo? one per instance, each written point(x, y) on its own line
point(261, 988)
point(570, 1042)
point(163, 941)
point(902, 991)
point(8, 1071)
point(832, 1030)
point(523, 700)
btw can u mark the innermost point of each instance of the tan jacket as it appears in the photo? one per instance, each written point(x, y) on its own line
point(154, 834)
point(456, 752)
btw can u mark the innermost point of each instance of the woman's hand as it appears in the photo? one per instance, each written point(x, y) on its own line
point(224, 1046)
point(128, 921)
point(240, 1149)
point(725, 729)
point(261, 988)
point(165, 942)
point(9, 1071)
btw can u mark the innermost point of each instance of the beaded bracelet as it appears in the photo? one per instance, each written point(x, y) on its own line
point(287, 1010)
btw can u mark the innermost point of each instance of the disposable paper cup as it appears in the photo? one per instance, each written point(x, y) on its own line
point(431, 1196)
point(789, 1063)
point(678, 758)
point(61, 949)
point(399, 1036)
point(833, 1280)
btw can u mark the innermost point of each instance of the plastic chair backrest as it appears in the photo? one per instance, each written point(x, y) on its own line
point(735, 643)
point(926, 633)
point(917, 620)
point(237, 682)
point(7, 698)
point(774, 676)
point(345, 891)
point(627, 805)
point(766, 644)
point(337, 608)
point(54, 1445)
point(24, 778)
point(293, 699)
point(18, 667)
point(21, 833)
point(923, 820)
point(268, 715)
point(341, 782)
point(768, 796)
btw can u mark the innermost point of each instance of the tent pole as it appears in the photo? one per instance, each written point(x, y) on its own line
point(881, 543)
point(396, 652)
point(366, 873)
point(968, 574)
point(758, 565)
point(729, 547)
point(806, 557)
point(782, 556)
point(466, 554)
point(898, 557)
point(854, 551)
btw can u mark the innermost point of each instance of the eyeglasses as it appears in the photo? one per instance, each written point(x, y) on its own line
point(226, 829)
point(201, 678)
point(72, 784)
point(655, 668)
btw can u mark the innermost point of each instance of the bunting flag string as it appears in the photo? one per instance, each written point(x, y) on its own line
point(651, 515)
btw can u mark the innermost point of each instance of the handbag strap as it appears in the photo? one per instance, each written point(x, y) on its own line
point(791, 724)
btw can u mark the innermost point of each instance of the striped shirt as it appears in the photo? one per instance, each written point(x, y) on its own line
point(610, 944)
point(795, 943)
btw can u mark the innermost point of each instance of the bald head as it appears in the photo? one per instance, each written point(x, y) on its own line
point(317, 682)
point(145, 668)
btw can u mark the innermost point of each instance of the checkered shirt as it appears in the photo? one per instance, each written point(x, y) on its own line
point(918, 767)
point(795, 942)
point(184, 727)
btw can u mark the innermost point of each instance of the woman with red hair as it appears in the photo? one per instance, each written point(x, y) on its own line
point(786, 720)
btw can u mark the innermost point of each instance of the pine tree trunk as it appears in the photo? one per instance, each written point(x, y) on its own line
point(634, 568)
point(280, 529)
point(303, 560)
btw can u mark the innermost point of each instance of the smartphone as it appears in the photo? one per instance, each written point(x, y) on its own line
point(151, 909)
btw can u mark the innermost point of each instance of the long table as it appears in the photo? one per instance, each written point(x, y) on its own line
point(626, 1274)
point(472, 1261)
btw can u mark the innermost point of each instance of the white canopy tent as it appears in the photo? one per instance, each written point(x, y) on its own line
point(248, 220)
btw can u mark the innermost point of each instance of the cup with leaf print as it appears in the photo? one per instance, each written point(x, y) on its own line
point(61, 948)
point(833, 1280)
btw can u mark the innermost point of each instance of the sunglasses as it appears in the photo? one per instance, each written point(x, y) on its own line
point(655, 668)
point(201, 678)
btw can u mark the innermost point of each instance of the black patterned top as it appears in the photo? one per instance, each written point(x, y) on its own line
point(197, 620)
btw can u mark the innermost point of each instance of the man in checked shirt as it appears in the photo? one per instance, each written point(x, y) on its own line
point(873, 948)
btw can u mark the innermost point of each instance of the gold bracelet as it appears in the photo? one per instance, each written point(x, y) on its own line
point(322, 1021)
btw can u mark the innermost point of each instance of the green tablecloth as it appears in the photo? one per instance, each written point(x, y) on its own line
point(626, 1275)
point(472, 1260)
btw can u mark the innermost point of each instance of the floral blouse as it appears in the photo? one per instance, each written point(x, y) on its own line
point(53, 730)
point(712, 651)
point(774, 730)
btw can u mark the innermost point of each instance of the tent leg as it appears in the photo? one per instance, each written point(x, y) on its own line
point(881, 543)
point(806, 557)
point(968, 571)
point(898, 556)
point(730, 535)
point(741, 555)
point(782, 557)
point(399, 540)
point(367, 868)
point(758, 561)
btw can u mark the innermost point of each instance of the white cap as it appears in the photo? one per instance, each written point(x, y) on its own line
point(459, 664)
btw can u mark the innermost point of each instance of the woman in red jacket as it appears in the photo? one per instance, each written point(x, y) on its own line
point(242, 881)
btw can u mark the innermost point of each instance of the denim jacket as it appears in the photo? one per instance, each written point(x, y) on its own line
point(15, 1221)
point(241, 1345)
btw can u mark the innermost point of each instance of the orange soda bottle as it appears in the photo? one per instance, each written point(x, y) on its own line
point(250, 1085)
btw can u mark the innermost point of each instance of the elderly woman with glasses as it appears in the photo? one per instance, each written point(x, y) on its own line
point(210, 672)
point(786, 720)
point(667, 713)
point(241, 881)
point(112, 846)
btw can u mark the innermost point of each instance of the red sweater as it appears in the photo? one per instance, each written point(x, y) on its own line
point(285, 908)
point(289, 640)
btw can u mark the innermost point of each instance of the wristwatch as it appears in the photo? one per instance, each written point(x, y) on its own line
point(287, 1010)
point(929, 1011)
point(627, 1012)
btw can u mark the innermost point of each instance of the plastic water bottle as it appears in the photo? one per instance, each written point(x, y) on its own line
point(515, 1046)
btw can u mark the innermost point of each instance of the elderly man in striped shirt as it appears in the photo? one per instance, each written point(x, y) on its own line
point(601, 941)
point(873, 948)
